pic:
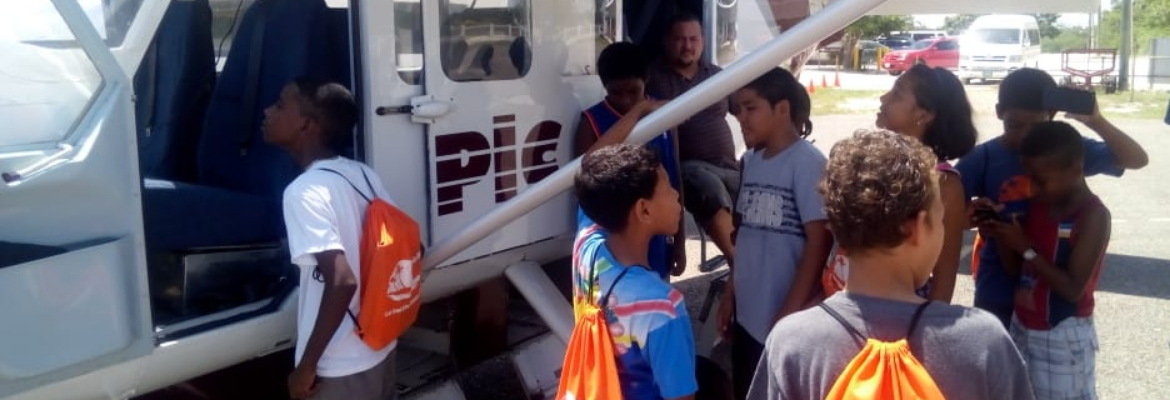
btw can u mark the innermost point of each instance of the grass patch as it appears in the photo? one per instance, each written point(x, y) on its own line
point(1135, 105)
point(836, 101)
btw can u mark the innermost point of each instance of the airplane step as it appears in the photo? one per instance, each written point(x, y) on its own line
point(528, 370)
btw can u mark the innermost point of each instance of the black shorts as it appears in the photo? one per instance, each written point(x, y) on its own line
point(708, 188)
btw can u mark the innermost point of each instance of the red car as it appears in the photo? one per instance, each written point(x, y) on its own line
point(939, 52)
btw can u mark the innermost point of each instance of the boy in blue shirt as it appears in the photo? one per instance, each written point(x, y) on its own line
point(624, 188)
point(994, 171)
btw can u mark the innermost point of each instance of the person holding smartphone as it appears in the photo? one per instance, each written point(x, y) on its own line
point(1057, 254)
point(993, 169)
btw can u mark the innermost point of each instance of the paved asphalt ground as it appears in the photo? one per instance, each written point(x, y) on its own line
point(1133, 297)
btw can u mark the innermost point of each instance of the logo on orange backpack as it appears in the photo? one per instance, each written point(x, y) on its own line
point(402, 281)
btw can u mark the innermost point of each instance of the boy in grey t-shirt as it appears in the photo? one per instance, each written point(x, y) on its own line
point(781, 240)
point(882, 199)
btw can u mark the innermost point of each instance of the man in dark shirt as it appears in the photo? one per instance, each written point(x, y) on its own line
point(710, 171)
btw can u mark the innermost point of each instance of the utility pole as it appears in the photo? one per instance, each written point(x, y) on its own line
point(1092, 32)
point(1126, 44)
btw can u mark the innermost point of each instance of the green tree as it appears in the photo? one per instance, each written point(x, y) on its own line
point(956, 24)
point(1048, 27)
point(1068, 39)
point(1151, 20)
point(1109, 31)
point(871, 26)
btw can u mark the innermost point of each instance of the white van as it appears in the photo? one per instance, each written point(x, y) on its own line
point(995, 45)
point(923, 35)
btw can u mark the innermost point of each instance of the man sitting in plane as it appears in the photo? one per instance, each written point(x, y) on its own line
point(323, 214)
point(710, 172)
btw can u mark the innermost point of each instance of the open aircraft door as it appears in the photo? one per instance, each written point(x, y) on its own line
point(73, 283)
point(497, 110)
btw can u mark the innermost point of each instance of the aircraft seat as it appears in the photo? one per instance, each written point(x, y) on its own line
point(185, 216)
point(173, 86)
point(235, 199)
point(454, 51)
point(520, 53)
point(276, 42)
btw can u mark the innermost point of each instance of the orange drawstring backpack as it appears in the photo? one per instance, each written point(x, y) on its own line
point(589, 371)
point(391, 271)
point(883, 370)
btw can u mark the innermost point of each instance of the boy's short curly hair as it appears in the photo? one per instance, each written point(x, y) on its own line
point(612, 179)
point(1055, 139)
point(874, 182)
point(332, 106)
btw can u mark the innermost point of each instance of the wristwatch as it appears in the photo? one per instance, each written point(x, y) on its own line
point(1029, 255)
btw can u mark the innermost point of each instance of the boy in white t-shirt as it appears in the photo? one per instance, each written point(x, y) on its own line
point(323, 213)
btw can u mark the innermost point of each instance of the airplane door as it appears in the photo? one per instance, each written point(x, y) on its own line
point(393, 65)
point(497, 115)
point(73, 288)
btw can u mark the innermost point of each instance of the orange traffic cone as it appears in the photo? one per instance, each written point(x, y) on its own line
point(836, 79)
point(824, 82)
point(812, 87)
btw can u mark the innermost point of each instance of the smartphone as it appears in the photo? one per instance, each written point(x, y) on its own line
point(983, 214)
point(1076, 101)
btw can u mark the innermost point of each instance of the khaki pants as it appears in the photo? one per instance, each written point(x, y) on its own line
point(376, 383)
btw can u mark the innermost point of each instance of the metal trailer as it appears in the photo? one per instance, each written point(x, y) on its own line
point(1088, 64)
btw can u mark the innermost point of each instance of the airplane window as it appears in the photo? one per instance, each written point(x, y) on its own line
point(47, 86)
point(607, 21)
point(997, 36)
point(607, 24)
point(596, 29)
point(408, 44)
point(111, 19)
point(485, 42)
